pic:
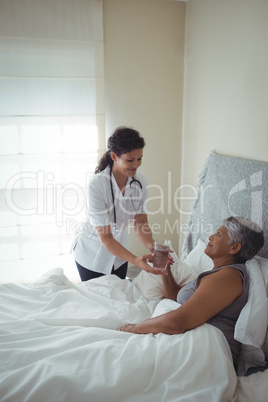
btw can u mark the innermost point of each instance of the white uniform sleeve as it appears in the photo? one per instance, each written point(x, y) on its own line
point(98, 207)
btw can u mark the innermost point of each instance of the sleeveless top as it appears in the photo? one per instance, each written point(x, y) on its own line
point(226, 319)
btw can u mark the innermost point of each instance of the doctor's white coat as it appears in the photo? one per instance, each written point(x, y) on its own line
point(88, 249)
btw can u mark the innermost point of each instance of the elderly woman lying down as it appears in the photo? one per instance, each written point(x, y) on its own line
point(217, 296)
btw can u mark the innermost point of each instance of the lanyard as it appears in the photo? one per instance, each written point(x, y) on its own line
point(112, 191)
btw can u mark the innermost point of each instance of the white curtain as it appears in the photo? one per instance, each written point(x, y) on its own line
point(51, 128)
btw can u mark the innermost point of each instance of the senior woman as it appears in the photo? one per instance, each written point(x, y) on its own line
point(217, 296)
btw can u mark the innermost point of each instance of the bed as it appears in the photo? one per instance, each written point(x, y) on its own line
point(59, 339)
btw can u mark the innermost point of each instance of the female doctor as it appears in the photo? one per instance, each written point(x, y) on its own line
point(116, 195)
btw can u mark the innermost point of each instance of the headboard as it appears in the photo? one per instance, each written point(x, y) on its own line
point(228, 186)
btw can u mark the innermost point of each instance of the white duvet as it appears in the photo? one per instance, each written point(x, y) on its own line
point(58, 342)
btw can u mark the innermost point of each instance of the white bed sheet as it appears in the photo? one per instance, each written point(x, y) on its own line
point(253, 388)
point(58, 342)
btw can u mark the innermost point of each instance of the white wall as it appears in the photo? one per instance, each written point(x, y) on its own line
point(226, 83)
point(144, 56)
point(225, 87)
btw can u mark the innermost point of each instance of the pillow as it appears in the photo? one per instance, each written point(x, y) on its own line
point(151, 285)
point(251, 326)
point(198, 260)
point(263, 263)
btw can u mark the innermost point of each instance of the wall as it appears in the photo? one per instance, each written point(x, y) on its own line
point(144, 56)
point(226, 84)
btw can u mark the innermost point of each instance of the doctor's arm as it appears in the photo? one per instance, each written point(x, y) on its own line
point(143, 230)
point(114, 247)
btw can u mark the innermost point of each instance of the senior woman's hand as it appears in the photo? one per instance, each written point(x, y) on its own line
point(128, 328)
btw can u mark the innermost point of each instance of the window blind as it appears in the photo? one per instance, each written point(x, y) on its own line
point(51, 129)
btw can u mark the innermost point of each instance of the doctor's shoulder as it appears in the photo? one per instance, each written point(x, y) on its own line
point(100, 180)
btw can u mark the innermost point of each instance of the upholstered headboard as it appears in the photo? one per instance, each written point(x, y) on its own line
point(228, 186)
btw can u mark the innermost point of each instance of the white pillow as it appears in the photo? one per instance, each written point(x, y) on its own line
point(263, 263)
point(198, 260)
point(251, 326)
point(151, 285)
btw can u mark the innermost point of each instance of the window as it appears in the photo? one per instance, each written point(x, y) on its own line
point(51, 129)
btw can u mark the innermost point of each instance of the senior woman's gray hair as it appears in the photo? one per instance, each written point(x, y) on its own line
point(246, 232)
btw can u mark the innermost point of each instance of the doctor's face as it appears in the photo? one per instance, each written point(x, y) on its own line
point(128, 164)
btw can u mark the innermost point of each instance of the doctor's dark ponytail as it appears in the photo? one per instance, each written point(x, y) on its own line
point(122, 141)
point(104, 162)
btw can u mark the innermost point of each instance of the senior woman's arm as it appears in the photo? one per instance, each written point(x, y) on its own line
point(215, 292)
point(170, 286)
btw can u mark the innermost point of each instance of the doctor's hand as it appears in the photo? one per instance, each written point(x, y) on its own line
point(142, 263)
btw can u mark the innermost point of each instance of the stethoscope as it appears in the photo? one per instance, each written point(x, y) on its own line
point(112, 192)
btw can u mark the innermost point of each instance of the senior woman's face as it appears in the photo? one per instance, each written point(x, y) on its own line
point(218, 243)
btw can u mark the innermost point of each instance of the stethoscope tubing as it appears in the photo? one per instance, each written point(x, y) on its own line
point(112, 191)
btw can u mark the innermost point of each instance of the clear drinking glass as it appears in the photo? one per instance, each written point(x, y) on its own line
point(161, 252)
